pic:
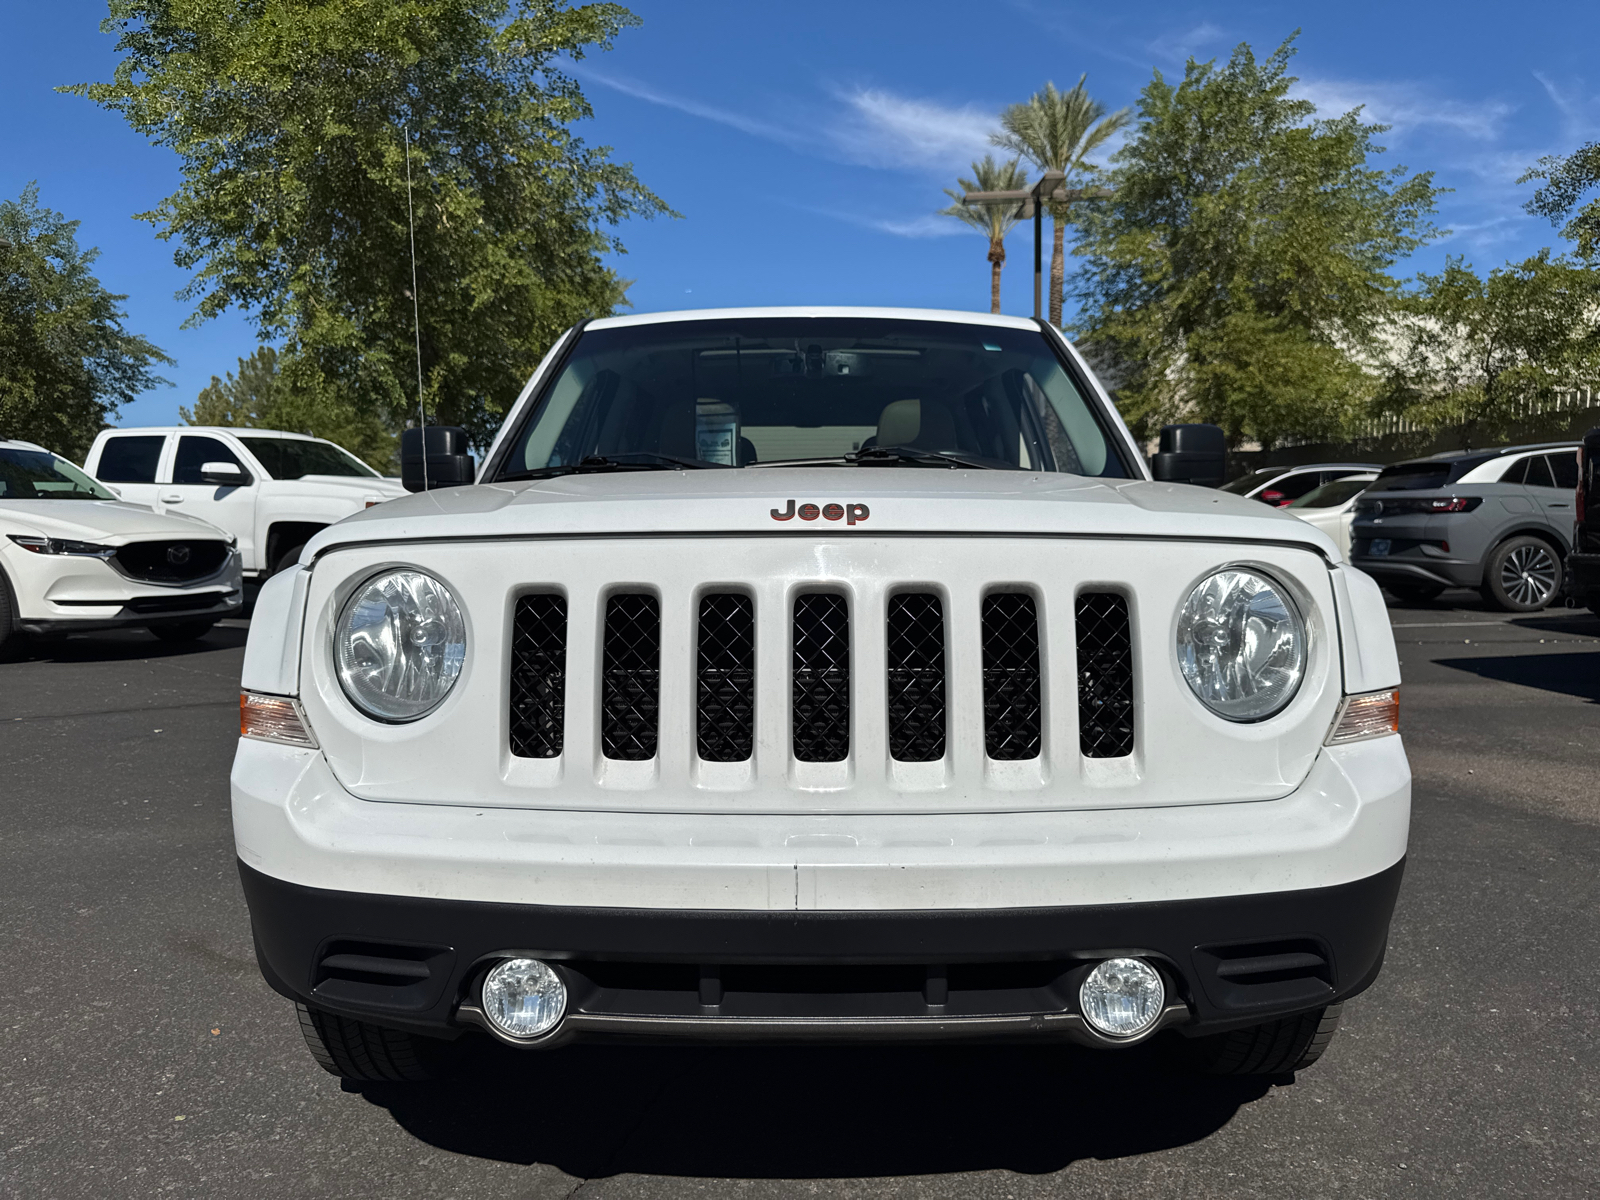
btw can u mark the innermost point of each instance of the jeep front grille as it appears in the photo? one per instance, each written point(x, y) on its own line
point(1012, 713)
point(725, 678)
point(1105, 676)
point(916, 677)
point(630, 698)
point(821, 703)
point(538, 676)
point(724, 688)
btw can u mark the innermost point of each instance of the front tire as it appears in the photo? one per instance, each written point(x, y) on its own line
point(287, 559)
point(183, 631)
point(360, 1051)
point(1522, 574)
point(1275, 1048)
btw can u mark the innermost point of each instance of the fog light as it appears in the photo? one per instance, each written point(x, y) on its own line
point(1122, 997)
point(523, 998)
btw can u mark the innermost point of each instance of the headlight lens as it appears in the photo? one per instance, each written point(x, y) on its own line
point(1241, 645)
point(399, 645)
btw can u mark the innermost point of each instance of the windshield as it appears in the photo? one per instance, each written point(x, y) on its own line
point(774, 390)
point(290, 458)
point(1248, 483)
point(1331, 495)
point(40, 475)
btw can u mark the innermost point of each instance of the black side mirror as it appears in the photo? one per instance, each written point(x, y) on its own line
point(224, 474)
point(1196, 454)
point(444, 450)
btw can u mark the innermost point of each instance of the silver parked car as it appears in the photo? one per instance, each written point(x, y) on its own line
point(1496, 520)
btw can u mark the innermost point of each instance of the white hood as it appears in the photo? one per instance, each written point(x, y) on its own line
point(109, 522)
point(917, 500)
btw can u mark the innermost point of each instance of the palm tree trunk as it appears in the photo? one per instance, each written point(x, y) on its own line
point(997, 259)
point(1058, 272)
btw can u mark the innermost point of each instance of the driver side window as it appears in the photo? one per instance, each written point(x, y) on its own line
point(194, 452)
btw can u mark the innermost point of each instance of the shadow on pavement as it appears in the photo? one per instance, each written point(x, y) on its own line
point(1577, 621)
point(1574, 674)
point(811, 1112)
point(120, 645)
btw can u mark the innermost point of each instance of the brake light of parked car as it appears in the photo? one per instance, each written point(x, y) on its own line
point(1438, 504)
point(1273, 497)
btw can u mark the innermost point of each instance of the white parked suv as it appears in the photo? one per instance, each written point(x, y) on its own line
point(75, 559)
point(819, 674)
point(273, 491)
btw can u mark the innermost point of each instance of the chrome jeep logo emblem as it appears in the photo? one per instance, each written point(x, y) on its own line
point(177, 555)
point(848, 513)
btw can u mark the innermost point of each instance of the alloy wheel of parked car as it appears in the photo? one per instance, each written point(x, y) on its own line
point(1523, 575)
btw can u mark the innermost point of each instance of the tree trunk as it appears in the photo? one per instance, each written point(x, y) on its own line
point(1058, 273)
point(997, 259)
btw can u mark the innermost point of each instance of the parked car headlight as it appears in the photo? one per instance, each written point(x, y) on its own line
point(47, 545)
point(1241, 645)
point(399, 645)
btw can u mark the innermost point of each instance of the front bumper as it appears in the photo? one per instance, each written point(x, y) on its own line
point(141, 613)
point(415, 964)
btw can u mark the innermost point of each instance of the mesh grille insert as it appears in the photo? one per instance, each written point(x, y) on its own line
point(1011, 710)
point(821, 678)
point(1105, 676)
point(630, 684)
point(916, 678)
point(538, 676)
point(725, 695)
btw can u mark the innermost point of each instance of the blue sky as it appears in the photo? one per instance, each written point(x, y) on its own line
point(806, 144)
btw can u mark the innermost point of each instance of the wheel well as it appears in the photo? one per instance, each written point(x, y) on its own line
point(1550, 538)
point(285, 535)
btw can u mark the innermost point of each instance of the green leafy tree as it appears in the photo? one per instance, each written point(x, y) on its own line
point(260, 396)
point(1057, 131)
point(66, 361)
point(1238, 273)
point(994, 221)
point(296, 124)
point(1566, 181)
point(1481, 352)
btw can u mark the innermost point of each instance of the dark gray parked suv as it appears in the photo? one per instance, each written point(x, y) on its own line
point(1496, 520)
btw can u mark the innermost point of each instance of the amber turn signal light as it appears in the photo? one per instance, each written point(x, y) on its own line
point(274, 719)
point(1369, 715)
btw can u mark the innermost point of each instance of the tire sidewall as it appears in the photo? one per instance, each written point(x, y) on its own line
point(1495, 564)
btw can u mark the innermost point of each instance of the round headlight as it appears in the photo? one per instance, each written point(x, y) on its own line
point(399, 645)
point(1241, 645)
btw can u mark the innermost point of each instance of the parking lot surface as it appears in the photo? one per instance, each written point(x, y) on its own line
point(145, 1056)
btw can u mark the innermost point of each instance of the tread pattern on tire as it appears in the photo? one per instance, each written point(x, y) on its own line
point(357, 1050)
point(1275, 1048)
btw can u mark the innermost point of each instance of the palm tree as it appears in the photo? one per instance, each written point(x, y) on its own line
point(1057, 131)
point(994, 221)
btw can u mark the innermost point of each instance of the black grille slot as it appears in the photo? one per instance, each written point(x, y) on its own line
point(1267, 973)
point(630, 696)
point(725, 690)
point(538, 676)
point(821, 678)
point(1011, 706)
point(1105, 676)
point(916, 677)
point(171, 562)
point(160, 604)
point(382, 974)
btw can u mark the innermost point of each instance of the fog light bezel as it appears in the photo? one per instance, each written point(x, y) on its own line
point(1154, 1024)
point(502, 963)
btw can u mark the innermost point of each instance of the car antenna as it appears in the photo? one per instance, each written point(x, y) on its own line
point(416, 319)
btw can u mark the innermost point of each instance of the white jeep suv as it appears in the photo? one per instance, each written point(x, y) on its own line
point(75, 559)
point(819, 674)
point(273, 491)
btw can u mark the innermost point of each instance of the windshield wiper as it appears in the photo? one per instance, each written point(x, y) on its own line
point(633, 460)
point(894, 456)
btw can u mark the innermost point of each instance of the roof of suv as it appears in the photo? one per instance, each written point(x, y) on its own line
point(1487, 453)
point(236, 430)
point(800, 310)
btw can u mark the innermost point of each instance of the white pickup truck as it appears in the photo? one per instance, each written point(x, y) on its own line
point(273, 491)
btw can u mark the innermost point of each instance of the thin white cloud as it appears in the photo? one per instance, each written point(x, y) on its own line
point(930, 226)
point(685, 104)
point(881, 128)
point(1187, 44)
point(1580, 112)
point(1406, 107)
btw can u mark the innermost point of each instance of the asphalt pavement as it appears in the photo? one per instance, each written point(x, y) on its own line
point(145, 1057)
